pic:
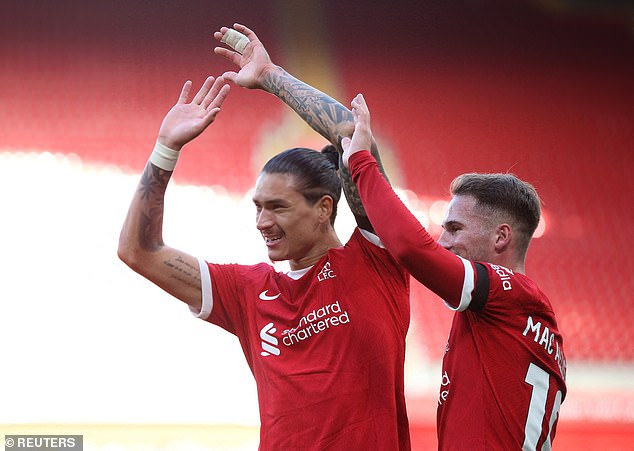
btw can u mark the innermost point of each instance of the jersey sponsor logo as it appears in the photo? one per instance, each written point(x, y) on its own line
point(315, 322)
point(444, 388)
point(269, 341)
point(326, 273)
point(266, 297)
point(505, 276)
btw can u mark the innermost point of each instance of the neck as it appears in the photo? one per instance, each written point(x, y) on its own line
point(316, 253)
point(514, 264)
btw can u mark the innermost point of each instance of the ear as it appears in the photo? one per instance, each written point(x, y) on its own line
point(324, 207)
point(502, 238)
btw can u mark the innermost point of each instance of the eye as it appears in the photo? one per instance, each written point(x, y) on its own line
point(451, 227)
point(278, 207)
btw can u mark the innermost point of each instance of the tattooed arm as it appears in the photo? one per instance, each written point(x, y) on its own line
point(327, 117)
point(324, 114)
point(141, 244)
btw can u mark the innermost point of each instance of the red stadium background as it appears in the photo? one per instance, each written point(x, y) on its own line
point(543, 89)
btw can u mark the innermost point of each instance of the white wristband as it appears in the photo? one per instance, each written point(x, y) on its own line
point(164, 157)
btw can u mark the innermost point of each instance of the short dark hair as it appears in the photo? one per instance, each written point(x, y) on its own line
point(506, 194)
point(314, 173)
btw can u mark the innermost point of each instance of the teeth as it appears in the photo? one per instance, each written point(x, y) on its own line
point(268, 239)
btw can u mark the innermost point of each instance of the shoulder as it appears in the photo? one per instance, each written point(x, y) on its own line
point(500, 276)
point(365, 252)
point(361, 244)
point(507, 285)
point(361, 238)
point(234, 270)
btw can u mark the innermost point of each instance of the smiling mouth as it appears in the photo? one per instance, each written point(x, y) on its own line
point(272, 240)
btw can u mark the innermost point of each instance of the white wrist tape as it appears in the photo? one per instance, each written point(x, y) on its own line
point(164, 157)
point(235, 40)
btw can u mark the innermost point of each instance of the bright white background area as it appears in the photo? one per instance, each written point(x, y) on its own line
point(86, 340)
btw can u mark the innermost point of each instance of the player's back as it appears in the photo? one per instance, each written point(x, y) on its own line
point(503, 371)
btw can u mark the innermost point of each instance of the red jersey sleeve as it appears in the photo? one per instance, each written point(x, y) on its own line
point(448, 275)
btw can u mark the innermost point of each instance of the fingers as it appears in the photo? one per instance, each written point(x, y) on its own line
point(359, 102)
point(211, 98)
point(245, 31)
point(360, 112)
point(217, 99)
point(210, 116)
point(203, 91)
point(361, 107)
point(231, 55)
point(211, 94)
point(362, 136)
point(345, 143)
point(230, 76)
point(235, 38)
point(219, 34)
point(184, 92)
point(214, 100)
point(238, 27)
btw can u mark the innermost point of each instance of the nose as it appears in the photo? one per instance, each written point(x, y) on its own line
point(263, 219)
point(444, 240)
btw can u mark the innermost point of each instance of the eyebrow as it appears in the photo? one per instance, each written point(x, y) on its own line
point(271, 201)
point(451, 223)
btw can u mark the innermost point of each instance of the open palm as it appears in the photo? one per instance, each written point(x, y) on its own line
point(185, 121)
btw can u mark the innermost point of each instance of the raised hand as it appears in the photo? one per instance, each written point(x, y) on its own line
point(185, 121)
point(253, 61)
point(362, 136)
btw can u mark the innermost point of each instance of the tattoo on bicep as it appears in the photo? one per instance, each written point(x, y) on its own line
point(183, 271)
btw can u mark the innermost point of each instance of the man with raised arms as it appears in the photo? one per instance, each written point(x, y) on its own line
point(504, 369)
point(326, 340)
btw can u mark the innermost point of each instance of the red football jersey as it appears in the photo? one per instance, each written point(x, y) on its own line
point(327, 349)
point(503, 375)
point(504, 369)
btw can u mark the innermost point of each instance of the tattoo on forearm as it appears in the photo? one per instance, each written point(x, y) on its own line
point(183, 271)
point(330, 119)
point(152, 190)
point(324, 114)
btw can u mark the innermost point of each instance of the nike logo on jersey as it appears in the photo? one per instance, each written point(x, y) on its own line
point(266, 297)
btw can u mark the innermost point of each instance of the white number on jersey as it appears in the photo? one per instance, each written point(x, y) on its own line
point(540, 381)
